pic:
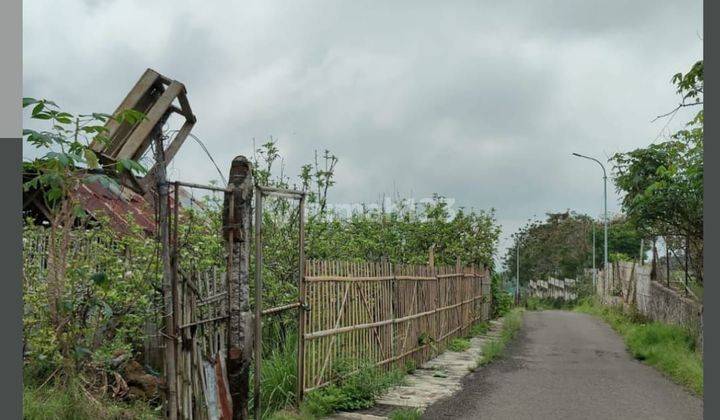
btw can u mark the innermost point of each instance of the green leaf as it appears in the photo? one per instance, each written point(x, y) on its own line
point(100, 279)
point(29, 101)
point(91, 159)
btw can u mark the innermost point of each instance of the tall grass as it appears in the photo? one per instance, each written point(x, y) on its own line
point(493, 348)
point(71, 402)
point(405, 414)
point(669, 348)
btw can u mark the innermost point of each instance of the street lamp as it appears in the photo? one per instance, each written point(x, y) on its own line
point(517, 274)
point(605, 209)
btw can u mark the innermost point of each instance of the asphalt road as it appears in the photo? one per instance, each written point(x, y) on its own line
point(566, 365)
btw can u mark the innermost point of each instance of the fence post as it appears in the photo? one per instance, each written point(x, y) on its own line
point(302, 314)
point(237, 209)
point(168, 292)
point(436, 302)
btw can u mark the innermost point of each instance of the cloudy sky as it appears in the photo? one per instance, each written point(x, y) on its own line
point(482, 101)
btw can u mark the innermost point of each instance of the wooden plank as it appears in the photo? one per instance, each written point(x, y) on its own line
point(136, 144)
point(133, 97)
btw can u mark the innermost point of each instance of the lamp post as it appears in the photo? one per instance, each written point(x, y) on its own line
point(593, 246)
point(605, 266)
point(517, 272)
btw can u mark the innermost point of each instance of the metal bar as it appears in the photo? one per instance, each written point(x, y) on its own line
point(258, 303)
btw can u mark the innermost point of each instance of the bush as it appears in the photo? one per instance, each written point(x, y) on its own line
point(502, 301)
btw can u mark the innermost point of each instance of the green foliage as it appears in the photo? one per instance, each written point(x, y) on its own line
point(662, 184)
point(492, 349)
point(109, 292)
point(353, 392)
point(68, 156)
point(459, 344)
point(481, 328)
point(558, 247)
point(70, 402)
point(405, 414)
point(502, 301)
point(278, 382)
point(669, 348)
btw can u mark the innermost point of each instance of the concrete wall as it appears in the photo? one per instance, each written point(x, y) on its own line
point(630, 284)
point(553, 289)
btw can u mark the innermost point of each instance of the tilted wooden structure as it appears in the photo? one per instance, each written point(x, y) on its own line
point(156, 97)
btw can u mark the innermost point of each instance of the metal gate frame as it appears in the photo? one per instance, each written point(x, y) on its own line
point(260, 192)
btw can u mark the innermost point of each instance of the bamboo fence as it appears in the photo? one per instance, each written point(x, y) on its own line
point(385, 314)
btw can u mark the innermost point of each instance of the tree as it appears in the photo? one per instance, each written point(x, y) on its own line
point(662, 184)
point(68, 162)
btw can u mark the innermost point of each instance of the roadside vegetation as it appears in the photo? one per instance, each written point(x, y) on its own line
point(405, 414)
point(494, 347)
point(84, 320)
point(669, 348)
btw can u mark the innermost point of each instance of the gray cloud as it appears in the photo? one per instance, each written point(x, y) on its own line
point(482, 101)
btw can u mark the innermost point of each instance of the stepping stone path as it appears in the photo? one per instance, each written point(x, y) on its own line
point(437, 378)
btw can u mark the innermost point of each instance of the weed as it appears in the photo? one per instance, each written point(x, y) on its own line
point(405, 414)
point(492, 349)
point(479, 329)
point(459, 344)
point(71, 402)
point(353, 392)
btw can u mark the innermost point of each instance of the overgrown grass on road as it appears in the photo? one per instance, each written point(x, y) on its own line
point(669, 348)
point(494, 348)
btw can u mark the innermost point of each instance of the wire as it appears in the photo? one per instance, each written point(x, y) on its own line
point(207, 152)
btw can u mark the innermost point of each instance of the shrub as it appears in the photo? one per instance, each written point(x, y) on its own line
point(502, 301)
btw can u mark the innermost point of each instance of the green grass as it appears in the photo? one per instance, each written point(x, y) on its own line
point(459, 344)
point(405, 414)
point(494, 348)
point(481, 328)
point(354, 392)
point(669, 348)
point(70, 402)
point(278, 384)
